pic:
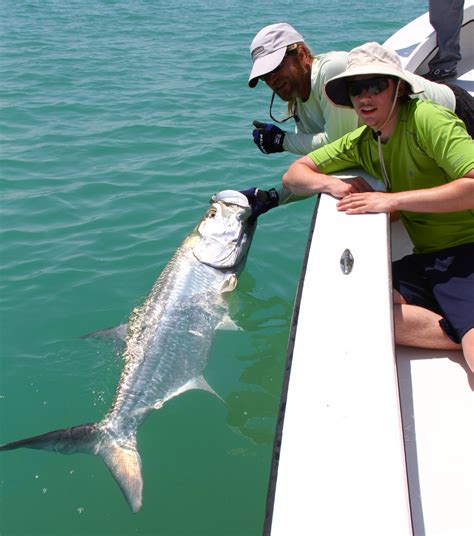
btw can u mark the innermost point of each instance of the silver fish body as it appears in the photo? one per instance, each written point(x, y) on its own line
point(168, 341)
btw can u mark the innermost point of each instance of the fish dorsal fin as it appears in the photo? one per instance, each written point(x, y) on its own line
point(125, 465)
point(117, 333)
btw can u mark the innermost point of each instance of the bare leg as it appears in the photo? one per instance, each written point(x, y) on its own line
point(468, 348)
point(419, 327)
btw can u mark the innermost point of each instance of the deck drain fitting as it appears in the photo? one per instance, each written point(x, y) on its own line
point(346, 262)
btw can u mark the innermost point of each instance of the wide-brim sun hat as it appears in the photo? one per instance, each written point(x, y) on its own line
point(370, 58)
point(268, 48)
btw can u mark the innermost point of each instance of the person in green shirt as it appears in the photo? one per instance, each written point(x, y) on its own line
point(425, 156)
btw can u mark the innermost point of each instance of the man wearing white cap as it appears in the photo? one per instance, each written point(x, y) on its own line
point(425, 155)
point(284, 62)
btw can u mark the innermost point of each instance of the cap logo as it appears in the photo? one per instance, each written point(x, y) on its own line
point(257, 52)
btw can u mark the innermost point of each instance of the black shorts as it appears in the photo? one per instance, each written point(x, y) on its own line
point(442, 282)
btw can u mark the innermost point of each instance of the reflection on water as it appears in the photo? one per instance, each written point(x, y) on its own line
point(253, 407)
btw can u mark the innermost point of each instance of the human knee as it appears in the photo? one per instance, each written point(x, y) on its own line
point(468, 348)
point(398, 298)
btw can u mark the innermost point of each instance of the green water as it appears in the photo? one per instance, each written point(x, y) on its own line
point(119, 119)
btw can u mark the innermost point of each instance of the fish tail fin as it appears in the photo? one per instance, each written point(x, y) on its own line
point(80, 438)
point(123, 461)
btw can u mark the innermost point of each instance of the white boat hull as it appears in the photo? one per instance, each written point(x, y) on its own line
point(342, 462)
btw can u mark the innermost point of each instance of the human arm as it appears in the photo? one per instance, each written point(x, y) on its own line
point(454, 196)
point(335, 122)
point(262, 201)
point(296, 187)
point(304, 177)
point(318, 123)
point(286, 196)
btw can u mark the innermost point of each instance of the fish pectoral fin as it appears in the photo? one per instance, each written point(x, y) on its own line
point(229, 284)
point(117, 333)
point(228, 324)
point(125, 465)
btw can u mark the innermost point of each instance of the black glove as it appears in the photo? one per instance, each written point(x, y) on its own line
point(261, 201)
point(268, 138)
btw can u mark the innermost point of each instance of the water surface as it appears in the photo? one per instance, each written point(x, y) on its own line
point(119, 120)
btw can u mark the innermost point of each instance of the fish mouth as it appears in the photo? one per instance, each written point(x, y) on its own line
point(231, 197)
point(226, 232)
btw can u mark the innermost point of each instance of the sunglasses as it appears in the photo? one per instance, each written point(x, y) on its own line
point(373, 86)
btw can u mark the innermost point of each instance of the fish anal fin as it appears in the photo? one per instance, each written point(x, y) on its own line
point(196, 383)
point(228, 324)
point(201, 383)
point(125, 465)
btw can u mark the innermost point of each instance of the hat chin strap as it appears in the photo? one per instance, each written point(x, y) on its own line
point(378, 133)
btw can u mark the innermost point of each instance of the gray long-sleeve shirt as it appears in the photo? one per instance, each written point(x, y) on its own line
point(320, 122)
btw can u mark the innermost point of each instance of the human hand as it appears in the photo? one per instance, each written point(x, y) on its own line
point(343, 187)
point(361, 203)
point(261, 201)
point(268, 137)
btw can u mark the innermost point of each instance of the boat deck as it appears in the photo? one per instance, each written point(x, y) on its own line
point(436, 388)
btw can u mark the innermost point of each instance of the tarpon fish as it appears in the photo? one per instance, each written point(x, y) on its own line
point(167, 341)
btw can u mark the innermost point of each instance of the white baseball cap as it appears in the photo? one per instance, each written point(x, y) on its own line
point(370, 58)
point(268, 48)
